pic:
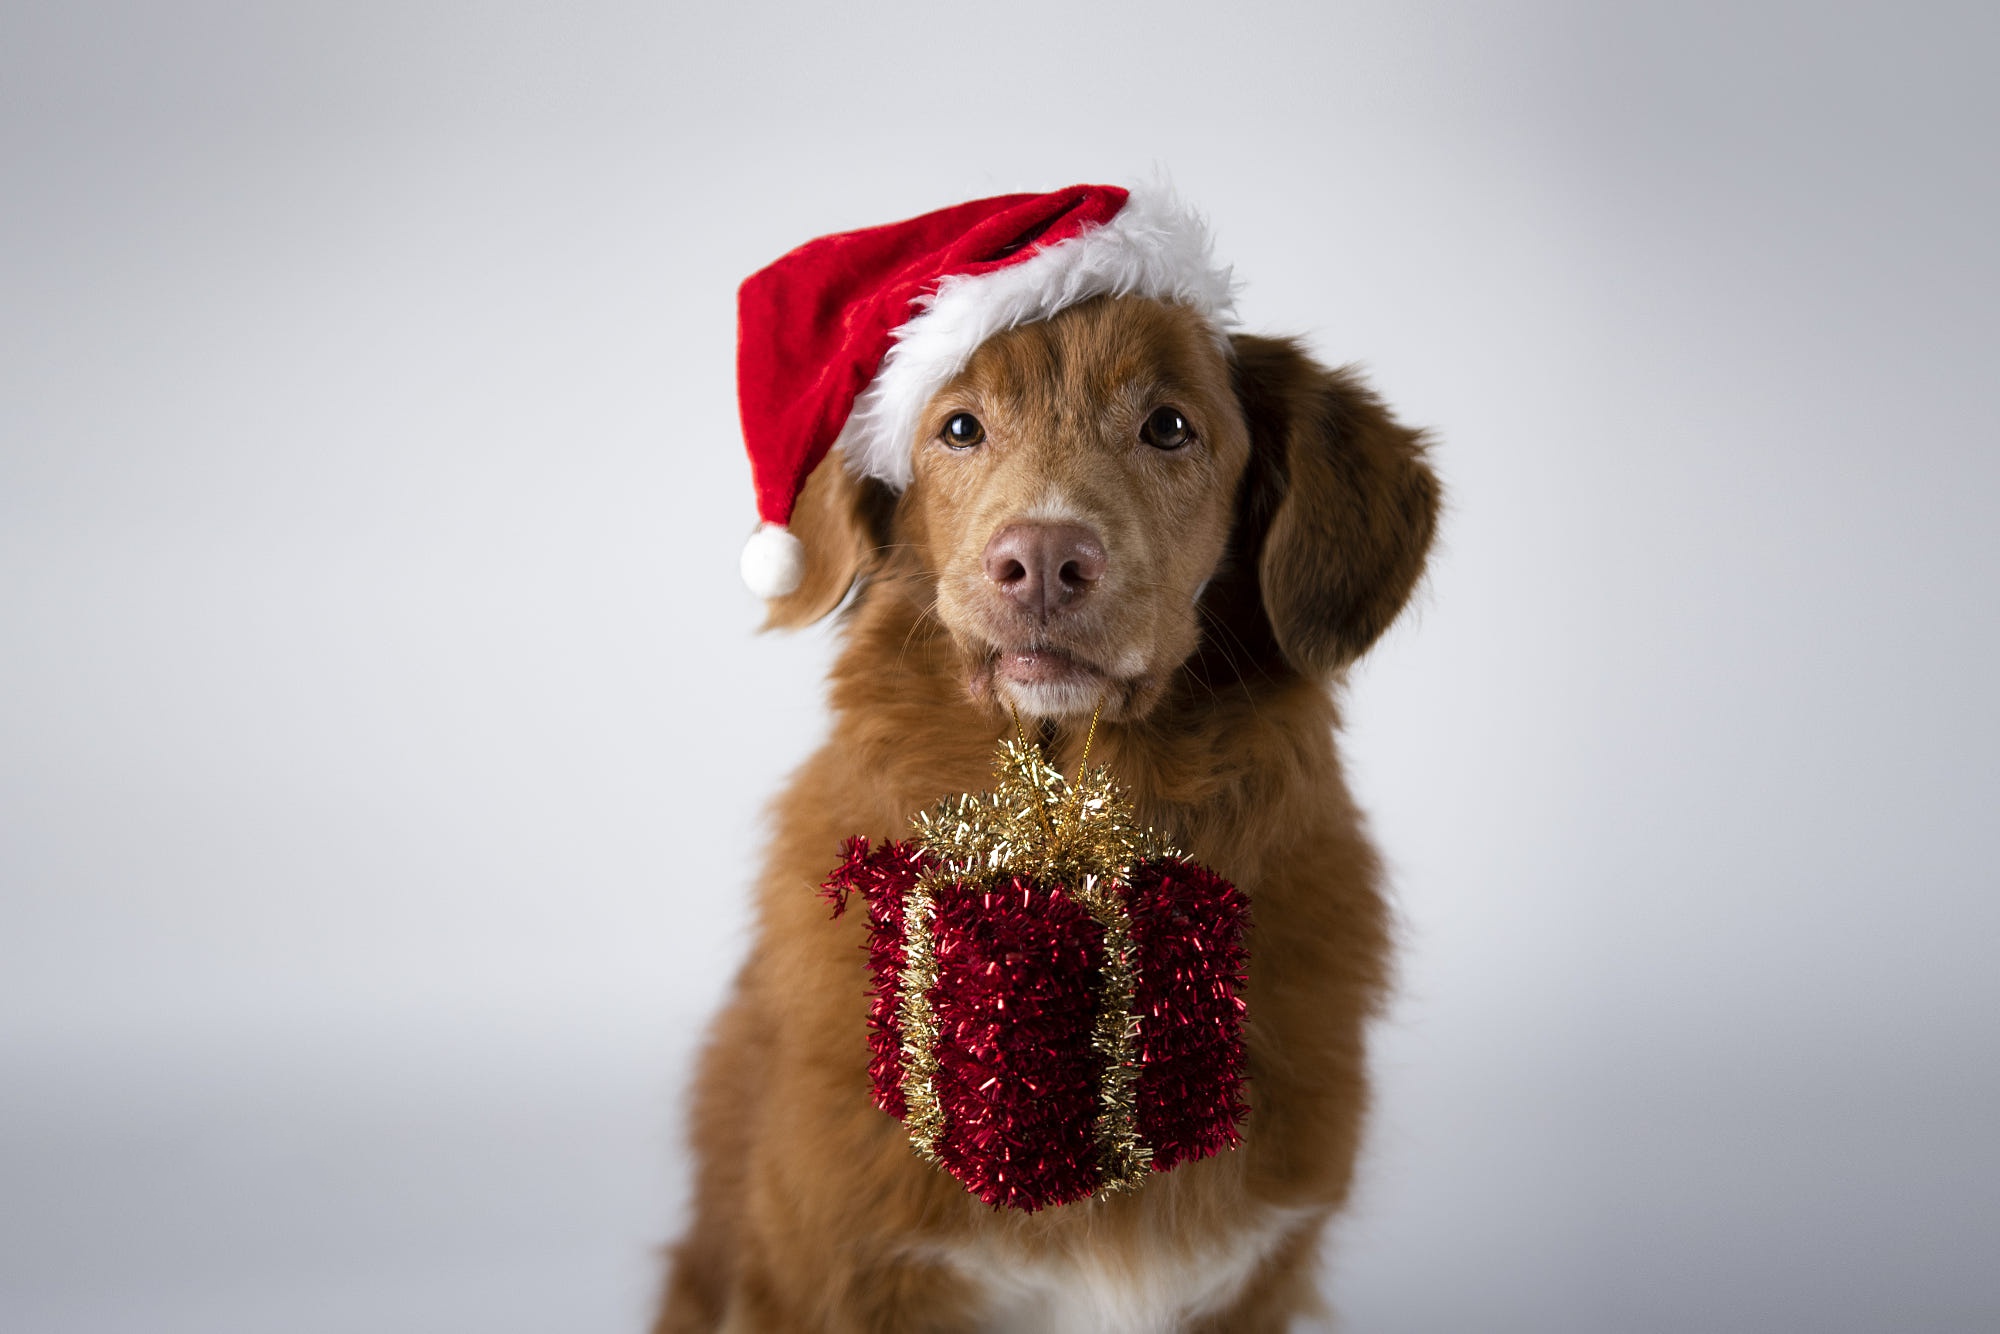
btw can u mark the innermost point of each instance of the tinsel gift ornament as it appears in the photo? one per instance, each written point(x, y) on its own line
point(1057, 997)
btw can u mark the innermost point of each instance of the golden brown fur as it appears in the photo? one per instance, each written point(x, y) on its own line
point(1301, 528)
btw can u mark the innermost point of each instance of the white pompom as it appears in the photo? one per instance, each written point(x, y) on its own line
point(773, 561)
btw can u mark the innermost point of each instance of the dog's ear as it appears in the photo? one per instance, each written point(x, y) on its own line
point(1344, 499)
point(839, 519)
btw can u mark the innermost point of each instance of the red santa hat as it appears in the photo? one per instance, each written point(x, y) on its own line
point(846, 339)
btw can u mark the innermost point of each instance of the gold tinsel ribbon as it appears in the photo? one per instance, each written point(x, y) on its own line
point(1081, 834)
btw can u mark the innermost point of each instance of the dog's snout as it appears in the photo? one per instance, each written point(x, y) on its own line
point(1043, 567)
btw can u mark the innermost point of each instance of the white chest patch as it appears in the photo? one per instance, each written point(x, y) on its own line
point(1155, 1290)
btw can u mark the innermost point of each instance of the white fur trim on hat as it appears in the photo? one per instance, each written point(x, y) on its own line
point(1154, 246)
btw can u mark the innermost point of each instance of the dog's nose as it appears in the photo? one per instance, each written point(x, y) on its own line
point(1044, 566)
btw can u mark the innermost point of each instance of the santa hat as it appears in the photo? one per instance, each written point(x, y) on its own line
point(846, 339)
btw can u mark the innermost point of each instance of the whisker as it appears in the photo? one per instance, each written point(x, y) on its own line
point(929, 612)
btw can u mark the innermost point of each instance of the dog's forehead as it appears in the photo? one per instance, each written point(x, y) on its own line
point(1108, 350)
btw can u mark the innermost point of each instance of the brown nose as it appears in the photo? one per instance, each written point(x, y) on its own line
point(1044, 566)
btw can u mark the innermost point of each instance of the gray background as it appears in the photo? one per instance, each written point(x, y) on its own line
point(383, 737)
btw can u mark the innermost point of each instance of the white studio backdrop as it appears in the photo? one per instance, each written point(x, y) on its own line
point(383, 736)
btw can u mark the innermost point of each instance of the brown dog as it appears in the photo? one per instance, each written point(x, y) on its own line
point(1110, 505)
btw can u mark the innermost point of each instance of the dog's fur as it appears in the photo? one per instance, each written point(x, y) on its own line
point(1244, 572)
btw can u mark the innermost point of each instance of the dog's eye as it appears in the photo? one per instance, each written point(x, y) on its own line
point(1166, 429)
point(963, 431)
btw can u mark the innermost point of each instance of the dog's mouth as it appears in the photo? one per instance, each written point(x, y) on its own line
point(1049, 682)
point(1038, 665)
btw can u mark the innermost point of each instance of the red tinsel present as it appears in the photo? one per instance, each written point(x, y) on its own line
point(1057, 999)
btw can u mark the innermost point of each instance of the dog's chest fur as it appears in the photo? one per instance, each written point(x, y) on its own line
point(1153, 1288)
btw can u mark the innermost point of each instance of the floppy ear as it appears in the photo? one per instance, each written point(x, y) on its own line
point(838, 519)
point(1347, 502)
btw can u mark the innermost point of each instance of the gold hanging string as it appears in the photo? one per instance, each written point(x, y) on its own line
point(1096, 712)
point(1074, 813)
